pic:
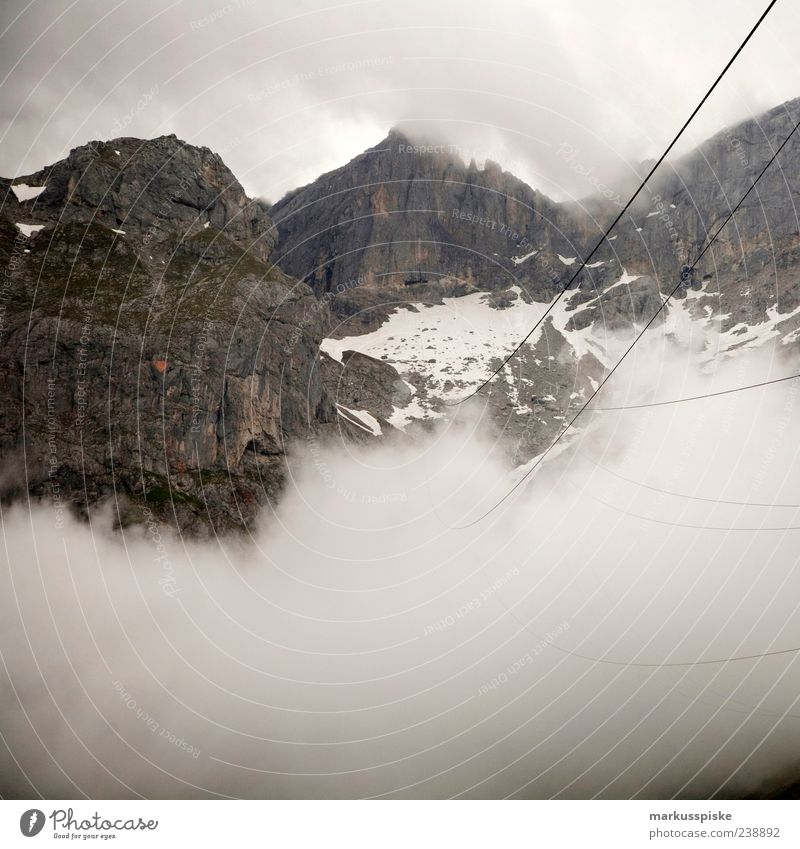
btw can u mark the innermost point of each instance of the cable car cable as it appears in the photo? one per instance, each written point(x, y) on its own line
point(636, 339)
point(621, 213)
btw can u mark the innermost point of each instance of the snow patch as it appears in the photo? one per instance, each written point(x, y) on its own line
point(29, 229)
point(25, 192)
point(450, 345)
point(518, 260)
point(415, 410)
point(702, 332)
point(361, 418)
point(567, 260)
point(624, 280)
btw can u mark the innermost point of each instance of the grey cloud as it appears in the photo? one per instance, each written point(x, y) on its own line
point(287, 91)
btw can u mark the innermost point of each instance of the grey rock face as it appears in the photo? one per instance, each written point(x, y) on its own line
point(401, 220)
point(161, 189)
point(621, 307)
point(361, 382)
point(756, 253)
point(406, 225)
point(167, 367)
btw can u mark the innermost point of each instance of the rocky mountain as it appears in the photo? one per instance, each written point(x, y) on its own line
point(692, 197)
point(407, 215)
point(166, 339)
point(439, 268)
point(408, 218)
point(151, 353)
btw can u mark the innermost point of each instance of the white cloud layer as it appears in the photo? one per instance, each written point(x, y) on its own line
point(361, 646)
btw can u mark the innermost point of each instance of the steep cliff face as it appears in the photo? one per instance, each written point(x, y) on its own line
point(409, 219)
point(440, 269)
point(149, 351)
point(752, 266)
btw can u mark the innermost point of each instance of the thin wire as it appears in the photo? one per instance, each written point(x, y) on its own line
point(717, 660)
point(670, 524)
point(638, 337)
point(683, 494)
point(697, 397)
point(622, 212)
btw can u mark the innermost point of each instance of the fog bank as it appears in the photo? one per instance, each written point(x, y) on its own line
point(362, 646)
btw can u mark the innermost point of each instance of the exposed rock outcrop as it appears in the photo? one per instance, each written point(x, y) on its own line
point(406, 216)
point(150, 353)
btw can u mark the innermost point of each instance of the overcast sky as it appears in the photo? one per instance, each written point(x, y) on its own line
point(287, 89)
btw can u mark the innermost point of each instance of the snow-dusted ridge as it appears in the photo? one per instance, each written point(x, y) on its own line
point(445, 351)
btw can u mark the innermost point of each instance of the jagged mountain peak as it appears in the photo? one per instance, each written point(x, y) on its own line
point(410, 211)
